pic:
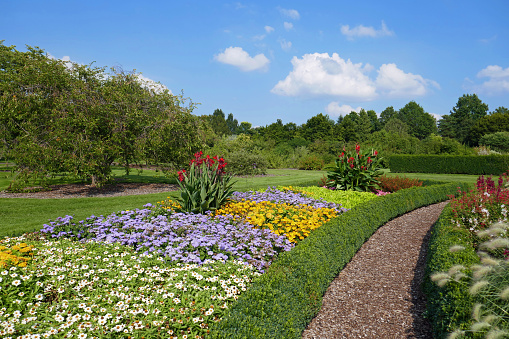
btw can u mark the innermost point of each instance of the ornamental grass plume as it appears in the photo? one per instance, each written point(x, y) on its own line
point(488, 284)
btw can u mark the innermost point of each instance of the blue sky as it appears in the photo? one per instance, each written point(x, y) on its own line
point(289, 60)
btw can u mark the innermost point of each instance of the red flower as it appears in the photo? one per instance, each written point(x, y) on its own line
point(357, 148)
point(342, 154)
point(351, 159)
point(375, 153)
point(181, 175)
point(351, 165)
point(369, 160)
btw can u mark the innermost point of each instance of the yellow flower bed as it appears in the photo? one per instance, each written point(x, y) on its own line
point(17, 255)
point(296, 222)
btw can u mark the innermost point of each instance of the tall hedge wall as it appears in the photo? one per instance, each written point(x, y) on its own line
point(453, 164)
point(284, 300)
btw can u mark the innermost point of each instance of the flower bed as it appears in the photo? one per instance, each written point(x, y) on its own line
point(148, 272)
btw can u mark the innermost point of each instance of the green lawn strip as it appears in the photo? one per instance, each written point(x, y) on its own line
point(19, 215)
point(449, 307)
point(471, 179)
point(285, 299)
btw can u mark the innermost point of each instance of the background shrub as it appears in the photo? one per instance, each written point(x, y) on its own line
point(246, 163)
point(396, 183)
point(497, 141)
point(311, 162)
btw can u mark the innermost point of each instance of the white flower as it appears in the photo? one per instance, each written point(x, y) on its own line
point(16, 282)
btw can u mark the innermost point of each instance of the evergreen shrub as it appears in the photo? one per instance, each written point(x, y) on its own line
point(449, 164)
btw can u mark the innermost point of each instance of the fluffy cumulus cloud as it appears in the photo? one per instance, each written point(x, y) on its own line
point(318, 74)
point(237, 57)
point(323, 75)
point(291, 13)
point(335, 110)
point(497, 80)
point(269, 29)
point(363, 31)
point(393, 82)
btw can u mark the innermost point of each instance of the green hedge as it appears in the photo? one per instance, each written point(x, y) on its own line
point(448, 307)
point(282, 302)
point(453, 164)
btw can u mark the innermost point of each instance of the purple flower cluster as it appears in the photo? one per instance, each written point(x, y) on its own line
point(183, 237)
point(280, 197)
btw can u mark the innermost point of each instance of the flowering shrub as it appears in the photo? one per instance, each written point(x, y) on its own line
point(396, 183)
point(477, 209)
point(206, 186)
point(16, 255)
point(356, 171)
point(90, 290)
point(182, 237)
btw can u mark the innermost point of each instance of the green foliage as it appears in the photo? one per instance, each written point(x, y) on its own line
point(62, 117)
point(420, 123)
point(396, 183)
point(435, 144)
point(205, 187)
point(318, 127)
point(449, 306)
point(458, 125)
point(465, 164)
point(496, 122)
point(356, 170)
point(311, 162)
point(282, 302)
point(246, 163)
point(498, 141)
point(347, 199)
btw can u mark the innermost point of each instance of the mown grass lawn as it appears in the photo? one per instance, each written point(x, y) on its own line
point(19, 215)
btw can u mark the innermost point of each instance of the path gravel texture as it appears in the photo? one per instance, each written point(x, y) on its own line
point(378, 294)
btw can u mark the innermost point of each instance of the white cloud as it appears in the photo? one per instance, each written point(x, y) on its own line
point(269, 29)
point(436, 116)
point(285, 45)
point(237, 57)
point(394, 82)
point(151, 84)
point(291, 13)
point(320, 74)
point(497, 83)
point(363, 31)
point(333, 109)
point(288, 25)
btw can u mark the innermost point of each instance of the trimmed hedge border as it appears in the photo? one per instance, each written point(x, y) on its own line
point(449, 164)
point(448, 307)
point(282, 302)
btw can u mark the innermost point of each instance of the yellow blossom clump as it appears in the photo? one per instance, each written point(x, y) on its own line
point(296, 222)
point(17, 255)
point(170, 205)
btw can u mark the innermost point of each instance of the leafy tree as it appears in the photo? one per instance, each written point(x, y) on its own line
point(233, 124)
point(364, 126)
point(375, 123)
point(318, 127)
point(245, 128)
point(280, 133)
point(394, 125)
point(386, 115)
point(468, 110)
point(496, 122)
point(218, 123)
point(498, 141)
point(501, 109)
point(421, 124)
point(59, 117)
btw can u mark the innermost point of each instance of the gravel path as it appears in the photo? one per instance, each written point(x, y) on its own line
point(378, 294)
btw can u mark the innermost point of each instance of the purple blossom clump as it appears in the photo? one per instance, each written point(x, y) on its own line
point(183, 237)
point(280, 197)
